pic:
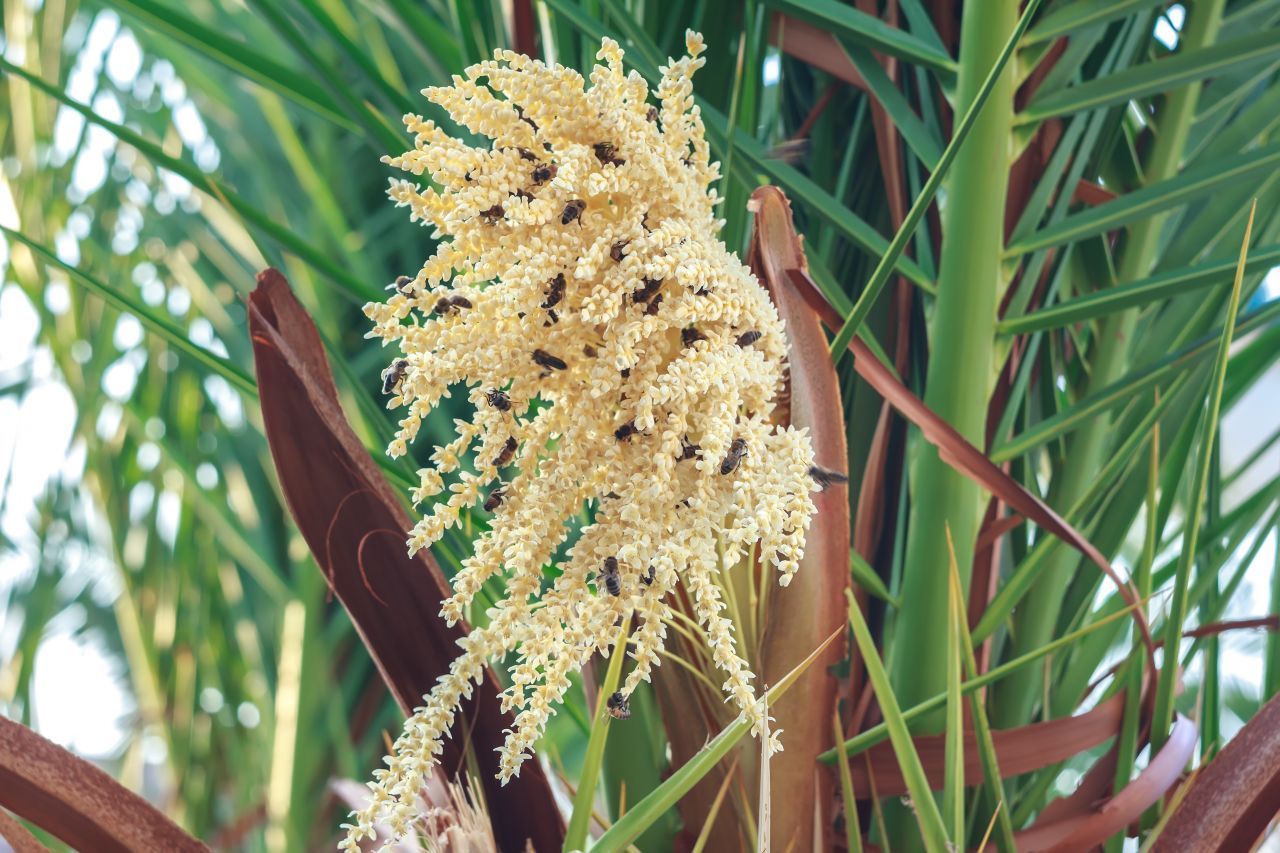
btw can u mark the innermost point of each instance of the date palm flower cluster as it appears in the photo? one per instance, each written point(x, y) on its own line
point(624, 368)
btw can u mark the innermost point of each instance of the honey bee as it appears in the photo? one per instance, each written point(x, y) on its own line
point(506, 454)
point(607, 153)
point(609, 574)
point(495, 499)
point(526, 154)
point(544, 172)
point(652, 308)
point(546, 360)
point(690, 336)
point(402, 285)
point(688, 450)
point(824, 479)
point(651, 114)
point(498, 399)
point(791, 151)
point(524, 194)
point(493, 214)
point(647, 290)
point(624, 432)
point(618, 707)
point(647, 580)
point(737, 450)
point(616, 251)
point(392, 375)
point(555, 291)
point(451, 303)
point(746, 339)
point(572, 210)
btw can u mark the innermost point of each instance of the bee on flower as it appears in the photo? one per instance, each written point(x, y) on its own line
point(606, 211)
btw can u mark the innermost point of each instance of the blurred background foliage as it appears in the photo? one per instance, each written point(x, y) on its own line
point(157, 153)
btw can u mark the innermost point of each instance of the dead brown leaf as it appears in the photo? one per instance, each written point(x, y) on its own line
point(355, 527)
point(1233, 799)
point(1018, 751)
point(75, 801)
point(1086, 818)
point(17, 835)
point(804, 614)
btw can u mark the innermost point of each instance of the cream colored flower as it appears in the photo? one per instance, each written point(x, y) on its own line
point(618, 357)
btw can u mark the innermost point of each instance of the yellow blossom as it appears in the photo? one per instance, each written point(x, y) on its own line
point(617, 357)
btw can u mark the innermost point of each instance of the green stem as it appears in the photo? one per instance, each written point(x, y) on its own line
point(1210, 693)
point(634, 767)
point(964, 329)
point(584, 800)
point(957, 386)
point(1036, 620)
point(973, 97)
